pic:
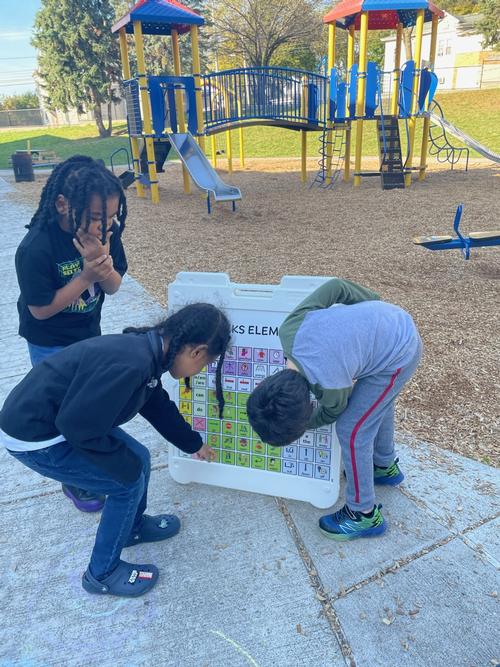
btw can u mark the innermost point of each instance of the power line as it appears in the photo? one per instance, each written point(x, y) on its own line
point(20, 58)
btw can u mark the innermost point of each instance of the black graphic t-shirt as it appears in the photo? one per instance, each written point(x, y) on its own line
point(47, 260)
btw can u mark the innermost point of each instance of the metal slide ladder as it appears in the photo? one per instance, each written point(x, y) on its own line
point(389, 145)
point(337, 143)
point(440, 145)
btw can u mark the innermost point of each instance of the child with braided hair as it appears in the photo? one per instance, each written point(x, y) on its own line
point(70, 258)
point(63, 421)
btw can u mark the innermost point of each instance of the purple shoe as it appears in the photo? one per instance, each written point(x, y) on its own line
point(85, 501)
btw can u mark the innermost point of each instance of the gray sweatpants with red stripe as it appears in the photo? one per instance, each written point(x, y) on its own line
point(366, 430)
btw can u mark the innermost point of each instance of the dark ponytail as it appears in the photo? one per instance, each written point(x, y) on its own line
point(195, 324)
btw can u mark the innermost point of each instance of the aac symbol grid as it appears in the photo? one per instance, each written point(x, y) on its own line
point(233, 439)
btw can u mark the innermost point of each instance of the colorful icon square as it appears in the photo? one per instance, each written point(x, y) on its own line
point(321, 472)
point(258, 462)
point(228, 383)
point(213, 439)
point(244, 369)
point(229, 428)
point(213, 426)
point(274, 465)
point(276, 357)
point(306, 469)
point(243, 445)
point(228, 442)
point(227, 457)
point(260, 354)
point(289, 467)
point(199, 424)
point(244, 384)
point(229, 367)
point(243, 460)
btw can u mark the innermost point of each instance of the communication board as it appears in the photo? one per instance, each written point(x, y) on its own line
point(309, 468)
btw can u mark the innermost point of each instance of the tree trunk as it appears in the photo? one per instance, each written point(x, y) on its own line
point(407, 33)
point(110, 120)
point(103, 132)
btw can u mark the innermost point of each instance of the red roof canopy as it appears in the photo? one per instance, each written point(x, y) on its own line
point(382, 14)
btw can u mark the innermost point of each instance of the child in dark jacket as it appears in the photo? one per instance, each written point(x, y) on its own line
point(62, 420)
point(70, 258)
point(355, 353)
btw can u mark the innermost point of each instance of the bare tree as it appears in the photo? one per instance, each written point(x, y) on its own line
point(256, 29)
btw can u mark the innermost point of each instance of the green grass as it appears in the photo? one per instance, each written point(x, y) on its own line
point(475, 112)
point(64, 141)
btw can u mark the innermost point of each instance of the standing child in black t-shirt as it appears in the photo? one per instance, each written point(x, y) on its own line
point(70, 258)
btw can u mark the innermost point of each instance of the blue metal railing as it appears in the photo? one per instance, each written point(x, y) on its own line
point(272, 93)
point(292, 97)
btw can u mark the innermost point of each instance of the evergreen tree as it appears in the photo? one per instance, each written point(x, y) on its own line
point(490, 24)
point(78, 60)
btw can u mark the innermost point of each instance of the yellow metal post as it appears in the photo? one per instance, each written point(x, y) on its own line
point(134, 143)
point(397, 71)
point(229, 151)
point(195, 50)
point(179, 102)
point(419, 31)
point(213, 144)
point(331, 63)
point(425, 129)
point(146, 110)
point(303, 133)
point(350, 60)
point(242, 147)
point(360, 100)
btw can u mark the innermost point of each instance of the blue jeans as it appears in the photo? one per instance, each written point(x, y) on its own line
point(39, 353)
point(125, 503)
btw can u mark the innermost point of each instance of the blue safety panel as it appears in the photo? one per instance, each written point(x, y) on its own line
point(333, 94)
point(157, 97)
point(353, 90)
point(341, 101)
point(371, 89)
point(161, 86)
point(312, 102)
point(406, 88)
point(433, 86)
point(428, 85)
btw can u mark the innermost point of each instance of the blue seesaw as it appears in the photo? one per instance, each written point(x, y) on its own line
point(464, 243)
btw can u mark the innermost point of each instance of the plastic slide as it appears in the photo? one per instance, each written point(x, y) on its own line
point(458, 134)
point(200, 169)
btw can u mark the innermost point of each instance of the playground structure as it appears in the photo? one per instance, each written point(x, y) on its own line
point(463, 243)
point(181, 112)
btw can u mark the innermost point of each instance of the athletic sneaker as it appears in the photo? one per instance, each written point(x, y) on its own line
point(346, 524)
point(85, 501)
point(389, 476)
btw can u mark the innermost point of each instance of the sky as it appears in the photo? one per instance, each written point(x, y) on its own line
point(17, 56)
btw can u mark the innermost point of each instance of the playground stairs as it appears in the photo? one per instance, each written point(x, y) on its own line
point(389, 146)
point(332, 142)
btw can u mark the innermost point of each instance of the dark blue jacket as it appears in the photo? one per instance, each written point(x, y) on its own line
point(90, 387)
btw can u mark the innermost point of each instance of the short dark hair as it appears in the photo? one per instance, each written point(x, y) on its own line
point(280, 407)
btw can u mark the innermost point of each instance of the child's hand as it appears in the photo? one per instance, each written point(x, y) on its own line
point(97, 270)
point(206, 453)
point(89, 246)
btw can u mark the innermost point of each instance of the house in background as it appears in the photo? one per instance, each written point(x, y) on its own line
point(461, 61)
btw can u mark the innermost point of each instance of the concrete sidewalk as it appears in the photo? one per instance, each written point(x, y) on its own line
point(249, 580)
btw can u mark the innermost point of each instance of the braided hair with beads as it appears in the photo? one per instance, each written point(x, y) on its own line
point(79, 178)
point(195, 324)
